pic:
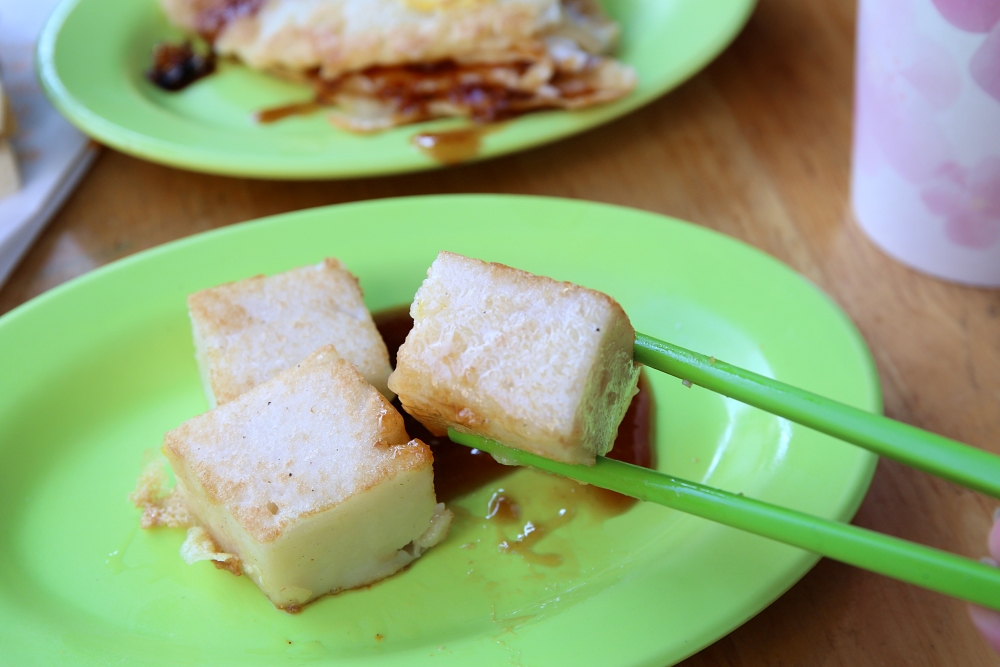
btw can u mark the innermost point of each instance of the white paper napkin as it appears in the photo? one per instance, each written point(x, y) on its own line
point(52, 154)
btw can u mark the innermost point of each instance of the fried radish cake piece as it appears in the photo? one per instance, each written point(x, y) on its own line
point(248, 331)
point(309, 481)
point(540, 365)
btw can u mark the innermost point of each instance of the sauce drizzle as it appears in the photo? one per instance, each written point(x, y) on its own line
point(274, 114)
point(532, 533)
point(459, 470)
point(502, 508)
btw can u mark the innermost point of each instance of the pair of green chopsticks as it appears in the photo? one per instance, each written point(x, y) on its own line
point(914, 563)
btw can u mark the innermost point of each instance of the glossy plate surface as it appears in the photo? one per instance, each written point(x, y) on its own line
point(92, 55)
point(94, 372)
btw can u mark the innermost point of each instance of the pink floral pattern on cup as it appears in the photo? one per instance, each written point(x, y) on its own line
point(969, 200)
point(905, 79)
point(985, 64)
point(970, 15)
point(923, 67)
point(978, 16)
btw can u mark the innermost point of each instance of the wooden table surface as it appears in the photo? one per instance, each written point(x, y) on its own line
point(758, 147)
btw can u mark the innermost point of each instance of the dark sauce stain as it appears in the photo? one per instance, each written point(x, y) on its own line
point(415, 88)
point(633, 444)
point(502, 508)
point(415, 91)
point(274, 114)
point(446, 146)
point(533, 532)
point(459, 470)
point(412, 89)
point(176, 66)
point(393, 324)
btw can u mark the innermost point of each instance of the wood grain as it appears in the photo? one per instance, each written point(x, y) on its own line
point(757, 147)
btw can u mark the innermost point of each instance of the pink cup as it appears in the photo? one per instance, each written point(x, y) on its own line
point(925, 182)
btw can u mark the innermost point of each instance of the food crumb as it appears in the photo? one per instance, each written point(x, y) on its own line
point(160, 505)
point(199, 546)
point(686, 383)
point(379, 638)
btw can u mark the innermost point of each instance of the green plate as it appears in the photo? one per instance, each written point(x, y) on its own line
point(92, 54)
point(94, 372)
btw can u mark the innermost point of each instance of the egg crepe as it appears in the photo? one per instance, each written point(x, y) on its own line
point(384, 63)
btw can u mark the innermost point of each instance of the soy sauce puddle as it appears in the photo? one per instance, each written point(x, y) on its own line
point(460, 470)
point(503, 509)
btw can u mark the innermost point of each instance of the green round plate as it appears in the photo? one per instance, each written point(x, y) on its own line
point(94, 372)
point(92, 54)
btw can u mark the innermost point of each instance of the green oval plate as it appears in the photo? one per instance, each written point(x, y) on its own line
point(94, 372)
point(92, 54)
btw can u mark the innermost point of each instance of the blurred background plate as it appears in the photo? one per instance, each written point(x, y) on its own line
point(94, 372)
point(92, 55)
